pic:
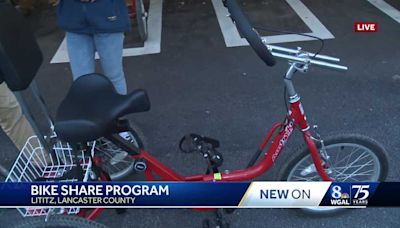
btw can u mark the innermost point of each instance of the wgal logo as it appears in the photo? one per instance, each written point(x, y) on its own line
point(339, 197)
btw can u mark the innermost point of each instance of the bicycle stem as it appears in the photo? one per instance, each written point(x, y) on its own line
point(288, 81)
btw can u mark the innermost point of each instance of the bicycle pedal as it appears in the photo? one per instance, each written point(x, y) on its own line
point(218, 224)
point(193, 142)
point(121, 211)
point(229, 210)
point(188, 143)
point(218, 220)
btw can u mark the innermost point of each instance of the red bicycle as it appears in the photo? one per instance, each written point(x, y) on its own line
point(92, 109)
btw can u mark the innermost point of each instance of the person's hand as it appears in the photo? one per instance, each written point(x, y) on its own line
point(88, 1)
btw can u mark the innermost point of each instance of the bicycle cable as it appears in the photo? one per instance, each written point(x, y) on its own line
point(297, 33)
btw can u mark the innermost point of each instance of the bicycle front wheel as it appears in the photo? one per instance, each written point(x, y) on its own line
point(58, 221)
point(351, 158)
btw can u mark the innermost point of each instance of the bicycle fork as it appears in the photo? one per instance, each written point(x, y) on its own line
point(297, 113)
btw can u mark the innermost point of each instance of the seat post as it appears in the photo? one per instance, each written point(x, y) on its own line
point(79, 172)
point(42, 105)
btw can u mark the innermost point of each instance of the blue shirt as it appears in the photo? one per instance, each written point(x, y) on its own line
point(101, 16)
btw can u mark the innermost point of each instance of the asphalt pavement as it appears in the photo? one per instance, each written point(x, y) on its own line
point(198, 84)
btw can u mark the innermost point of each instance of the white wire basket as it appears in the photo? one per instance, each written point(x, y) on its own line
point(34, 163)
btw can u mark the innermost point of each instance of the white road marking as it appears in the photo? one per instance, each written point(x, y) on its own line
point(386, 8)
point(232, 37)
point(151, 46)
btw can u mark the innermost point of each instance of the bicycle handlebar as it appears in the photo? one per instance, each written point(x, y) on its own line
point(249, 32)
point(268, 52)
point(273, 48)
point(304, 57)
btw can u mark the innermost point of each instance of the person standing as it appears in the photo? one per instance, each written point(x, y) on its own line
point(12, 120)
point(95, 25)
point(98, 25)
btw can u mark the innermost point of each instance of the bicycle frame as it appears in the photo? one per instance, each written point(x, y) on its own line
point(295, 119)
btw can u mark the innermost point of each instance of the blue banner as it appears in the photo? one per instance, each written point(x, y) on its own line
point(130, 194)
point(199, 194)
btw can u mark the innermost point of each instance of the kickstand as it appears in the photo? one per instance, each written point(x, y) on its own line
point(219, 220)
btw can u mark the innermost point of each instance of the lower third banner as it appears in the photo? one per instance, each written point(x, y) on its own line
point(199, 194)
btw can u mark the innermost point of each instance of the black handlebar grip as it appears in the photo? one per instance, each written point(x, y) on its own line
point(244, 27)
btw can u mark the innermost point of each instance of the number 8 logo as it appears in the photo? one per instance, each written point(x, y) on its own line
point(336, 192)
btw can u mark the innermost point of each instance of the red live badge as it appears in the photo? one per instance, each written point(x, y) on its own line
point(365, 27)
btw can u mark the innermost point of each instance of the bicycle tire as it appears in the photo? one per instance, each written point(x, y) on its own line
point(341, 139)
point(59, 222)
point(141, 17)
point(124, 168)
point(3, 172)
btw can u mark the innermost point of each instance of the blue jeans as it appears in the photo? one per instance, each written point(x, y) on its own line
point(81, 52)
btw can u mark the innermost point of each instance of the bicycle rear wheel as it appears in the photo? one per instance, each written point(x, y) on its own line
point(59, 222)
point(115, 161)
point(3, 172)
point(351, 158)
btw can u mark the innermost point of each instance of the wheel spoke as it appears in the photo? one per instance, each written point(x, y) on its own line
point(354, 166)
point(352, 174)
point(358, 158)
point(306, 178)
point(358, 164)
point(348, 157)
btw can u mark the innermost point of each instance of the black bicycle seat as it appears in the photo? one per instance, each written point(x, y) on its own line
point(92, 107)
